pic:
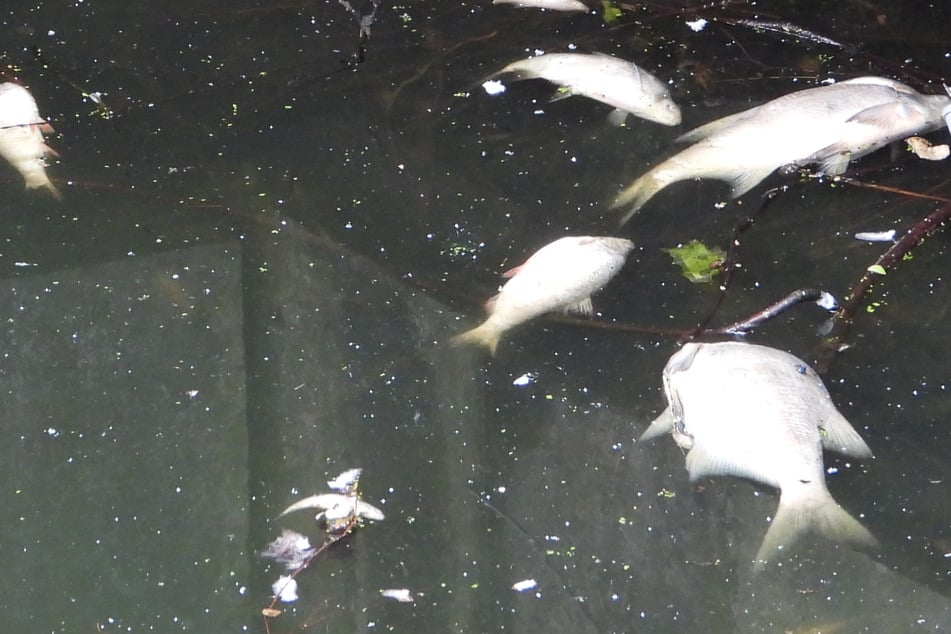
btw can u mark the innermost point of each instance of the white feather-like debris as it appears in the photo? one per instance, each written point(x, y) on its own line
point(876, 236)
point(285, 589)
point(336, 506)
point(346, 480)
point(403, 595)
point(291, 549)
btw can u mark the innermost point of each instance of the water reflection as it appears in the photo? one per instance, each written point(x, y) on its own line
point(242, 292)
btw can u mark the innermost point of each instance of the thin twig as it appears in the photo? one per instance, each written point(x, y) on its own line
point(842, 320)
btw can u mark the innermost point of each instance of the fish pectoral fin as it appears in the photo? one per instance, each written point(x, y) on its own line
point(703, 464)
point(836, 160)
point(617, 117)
point(838, 435)
point(661, 425)
point(748, 179)
point(584, 307)
point(888, 116)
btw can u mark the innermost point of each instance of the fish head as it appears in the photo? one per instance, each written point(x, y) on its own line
point(665, 111)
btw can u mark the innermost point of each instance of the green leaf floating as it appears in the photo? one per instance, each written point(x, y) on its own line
point(698, 262)
point(611, 12)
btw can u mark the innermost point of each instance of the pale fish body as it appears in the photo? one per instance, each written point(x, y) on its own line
point(759, 413)
point(560, 276)
point(21, 136)
point(610, 80)
point(553, 5)
point(829, 125)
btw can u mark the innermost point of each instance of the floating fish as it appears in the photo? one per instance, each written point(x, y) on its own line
point(759, 413)
point(21, 136)
point(335, 506)
point(553, 5)
point(561, 276)
point(610, 80)
point(829, 125)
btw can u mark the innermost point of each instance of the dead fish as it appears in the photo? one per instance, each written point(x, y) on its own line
point(554, 5)
point(610, 80)
point(829, 125)
point(335, 506)
point(561, 276)
point(759, 413)
point(21, 136)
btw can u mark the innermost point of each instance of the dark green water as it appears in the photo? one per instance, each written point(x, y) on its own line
point(263, 246)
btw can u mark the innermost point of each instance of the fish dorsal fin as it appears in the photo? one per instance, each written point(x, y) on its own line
point(661, 425)
point(714, 126)
point(839, 436)
point(512, 272)
point(583, 307)
point(881, 81)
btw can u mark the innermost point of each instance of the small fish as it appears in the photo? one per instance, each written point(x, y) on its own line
point(759, 413)
point(610, 80)
point(561, 276)
point(21, 136)
point(829, 125)
point(553, 5)
point(334, 506)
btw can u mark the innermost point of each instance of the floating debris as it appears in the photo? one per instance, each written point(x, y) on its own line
point(402, 595)
point(285, 589)
point(547, 5)
point(923, 149)
point(697, 25)
point(524, 585)
point(291, 549)
point(493, 87)
point(876, 236)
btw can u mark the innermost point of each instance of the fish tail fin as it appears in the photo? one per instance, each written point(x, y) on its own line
point(635, 195)
point(39, 180)
point(816, 512)
point(486, 335)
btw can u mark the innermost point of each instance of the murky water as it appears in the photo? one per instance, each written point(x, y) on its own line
point(264, 243)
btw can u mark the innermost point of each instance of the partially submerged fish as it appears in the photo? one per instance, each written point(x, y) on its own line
point(561, 276)
point(554, 5)
point(21, 136)
point(610, 80)
point(337, 509)
point(829, 125)
point(759, 413)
